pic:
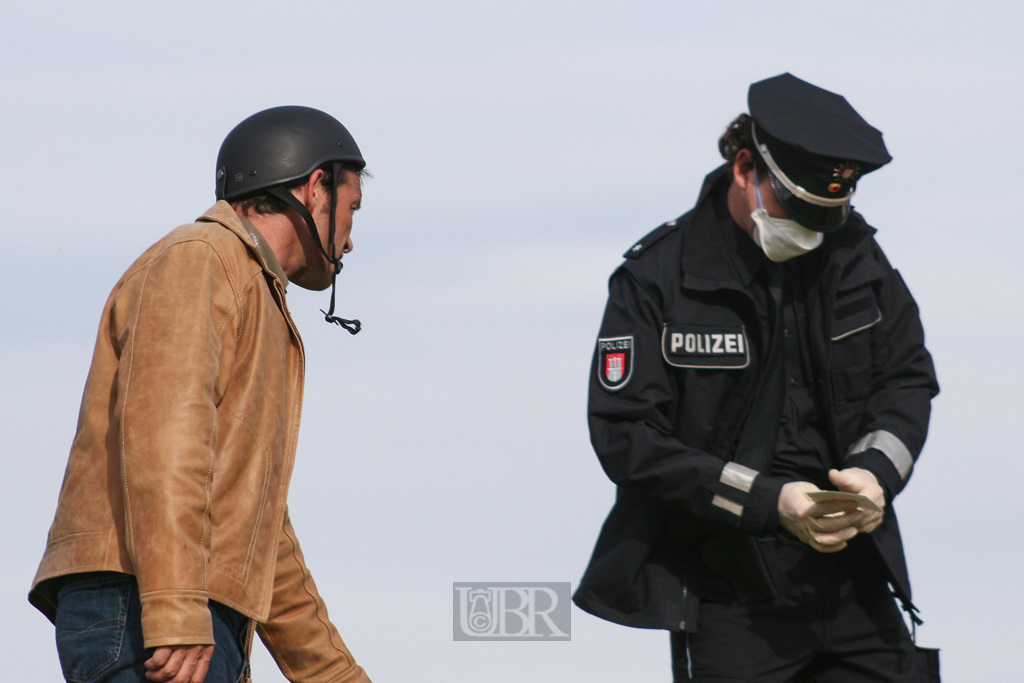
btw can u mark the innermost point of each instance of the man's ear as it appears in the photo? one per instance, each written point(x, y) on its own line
point(308, 192)
point(741, 168)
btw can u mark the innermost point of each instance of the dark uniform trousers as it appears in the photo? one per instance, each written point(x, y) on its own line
point(834, 621)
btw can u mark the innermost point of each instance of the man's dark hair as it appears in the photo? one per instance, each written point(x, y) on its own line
point(266, 203)
point(738, 136)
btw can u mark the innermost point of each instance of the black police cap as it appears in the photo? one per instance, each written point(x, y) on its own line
point(816, 147)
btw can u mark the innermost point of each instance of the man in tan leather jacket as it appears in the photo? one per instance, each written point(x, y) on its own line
point(171, 539)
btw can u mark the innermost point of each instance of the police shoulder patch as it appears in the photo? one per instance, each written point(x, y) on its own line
point(614, 361)
point(709, 347)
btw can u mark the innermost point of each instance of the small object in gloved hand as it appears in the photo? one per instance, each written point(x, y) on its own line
point(863, 502)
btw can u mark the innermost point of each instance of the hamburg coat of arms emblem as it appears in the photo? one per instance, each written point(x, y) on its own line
point(614, 362)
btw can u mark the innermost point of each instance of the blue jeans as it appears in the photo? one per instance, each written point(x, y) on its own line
point(99, 633)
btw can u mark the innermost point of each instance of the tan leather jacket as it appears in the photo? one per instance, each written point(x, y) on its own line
point(179, 470)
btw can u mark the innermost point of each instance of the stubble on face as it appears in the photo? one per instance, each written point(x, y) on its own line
point(319, 270)
point(349, 200)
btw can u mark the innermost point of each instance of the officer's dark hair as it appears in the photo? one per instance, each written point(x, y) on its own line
point(266, 203)
point(738, 136)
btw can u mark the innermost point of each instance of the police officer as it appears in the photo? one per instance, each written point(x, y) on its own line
point(759, 394)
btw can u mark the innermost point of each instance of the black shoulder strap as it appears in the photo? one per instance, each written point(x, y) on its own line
point(650, 238)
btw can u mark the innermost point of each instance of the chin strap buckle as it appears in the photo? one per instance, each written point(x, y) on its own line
point(353, 326)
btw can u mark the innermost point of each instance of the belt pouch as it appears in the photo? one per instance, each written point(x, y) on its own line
point(736, 557)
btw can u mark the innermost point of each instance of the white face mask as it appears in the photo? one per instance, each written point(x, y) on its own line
point(780, 238)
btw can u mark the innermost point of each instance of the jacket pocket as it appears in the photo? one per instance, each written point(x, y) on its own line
point(851, 384)
point(241, 507)
point(854, 311)
point(92, 612)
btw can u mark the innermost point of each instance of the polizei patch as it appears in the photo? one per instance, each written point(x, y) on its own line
point(712, 347)
point(614, 362)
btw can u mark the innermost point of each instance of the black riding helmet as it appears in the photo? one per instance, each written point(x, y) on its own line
point(278, 146)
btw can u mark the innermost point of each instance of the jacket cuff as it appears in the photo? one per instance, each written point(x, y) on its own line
point(746, 500)
point(876, 462)
point(176, 618)
point(763, 515)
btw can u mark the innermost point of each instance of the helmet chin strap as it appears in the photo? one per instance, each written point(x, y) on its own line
point(353, 326)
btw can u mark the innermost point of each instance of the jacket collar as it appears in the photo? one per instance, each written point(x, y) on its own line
point(717, 253)
point(222, 213)
point(842, 251)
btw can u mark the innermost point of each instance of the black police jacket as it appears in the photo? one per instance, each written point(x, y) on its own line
point(681, 350)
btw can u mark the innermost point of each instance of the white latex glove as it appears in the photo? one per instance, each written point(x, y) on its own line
point(825, 526)
point(863, 482)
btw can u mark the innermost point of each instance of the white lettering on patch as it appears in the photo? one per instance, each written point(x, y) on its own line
point(722, 347)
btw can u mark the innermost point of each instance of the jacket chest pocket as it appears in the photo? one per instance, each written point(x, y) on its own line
point(855, 312)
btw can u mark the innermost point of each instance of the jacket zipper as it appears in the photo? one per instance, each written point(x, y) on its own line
point(682, 622)
point(825, 361)
point(247, 670)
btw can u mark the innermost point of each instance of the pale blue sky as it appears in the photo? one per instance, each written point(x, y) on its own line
point(519, 149)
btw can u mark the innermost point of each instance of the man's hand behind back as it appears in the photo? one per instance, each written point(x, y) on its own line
point(179, 664)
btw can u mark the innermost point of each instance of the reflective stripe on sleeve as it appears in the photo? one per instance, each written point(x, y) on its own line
point(727, 505)
point(888, 443)
point(738, 476)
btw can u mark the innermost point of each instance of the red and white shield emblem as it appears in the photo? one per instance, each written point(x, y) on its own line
point(614, 367)
point(614, 361)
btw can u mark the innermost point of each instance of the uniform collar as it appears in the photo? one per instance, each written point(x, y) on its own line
point(716, 250)
point(746, 257)
point(718, 253)
point(222, 213)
